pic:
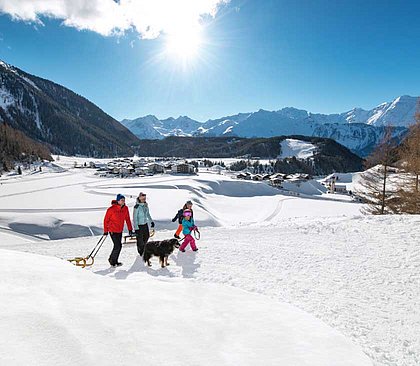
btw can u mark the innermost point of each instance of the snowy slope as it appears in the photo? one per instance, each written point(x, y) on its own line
point(358, 274)
point(296, 148)
point(80, 199)
point(359, 138)
point(144, 127)
point(53, 313)
point(397, 113)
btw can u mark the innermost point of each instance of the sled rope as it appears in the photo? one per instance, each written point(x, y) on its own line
point(90, 259)
point(196, 235)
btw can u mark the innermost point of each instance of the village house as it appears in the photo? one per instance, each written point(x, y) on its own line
point(340, 188)
point(142, 171)
point(217, 168)
point(276, 181)
point(183, 168)
point(156, 168)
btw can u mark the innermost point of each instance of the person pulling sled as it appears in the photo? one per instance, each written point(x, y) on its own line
point(114, 220)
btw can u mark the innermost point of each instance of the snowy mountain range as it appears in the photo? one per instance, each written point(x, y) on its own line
point(360, 130)
point(68, 123)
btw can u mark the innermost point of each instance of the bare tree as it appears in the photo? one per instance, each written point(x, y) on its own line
point(375, 189)
point(407, 197)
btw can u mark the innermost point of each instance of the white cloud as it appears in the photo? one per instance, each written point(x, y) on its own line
point(149, 18)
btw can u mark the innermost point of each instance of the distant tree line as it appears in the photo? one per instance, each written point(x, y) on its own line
point(15, 147)
point(207, 163)
point(319, 164)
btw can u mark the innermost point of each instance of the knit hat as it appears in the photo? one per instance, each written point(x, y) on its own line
point(119, 196)
point(187, 213)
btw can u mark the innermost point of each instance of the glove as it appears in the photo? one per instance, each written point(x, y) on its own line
point(194, 228)
point(152, 224)
point(174, 219)
point(131, 232)
point(105, 233)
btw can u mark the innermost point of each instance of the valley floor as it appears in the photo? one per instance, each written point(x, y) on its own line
point(358, 274)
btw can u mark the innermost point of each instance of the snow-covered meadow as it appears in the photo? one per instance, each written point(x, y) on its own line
point(277, 279)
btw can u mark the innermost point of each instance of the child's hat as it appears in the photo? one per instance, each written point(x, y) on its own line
point(187, 212)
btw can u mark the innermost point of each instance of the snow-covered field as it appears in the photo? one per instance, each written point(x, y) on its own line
point(277, 279)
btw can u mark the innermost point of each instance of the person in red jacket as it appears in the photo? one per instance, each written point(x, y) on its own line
point(114, 220)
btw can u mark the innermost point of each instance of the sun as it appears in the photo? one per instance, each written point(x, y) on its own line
point(184, 44)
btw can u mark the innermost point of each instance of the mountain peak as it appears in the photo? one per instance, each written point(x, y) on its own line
point(5, 64)
point(293, 113)
point(406, 97)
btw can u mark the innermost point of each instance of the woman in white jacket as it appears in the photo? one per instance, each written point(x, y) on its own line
point(141, 219)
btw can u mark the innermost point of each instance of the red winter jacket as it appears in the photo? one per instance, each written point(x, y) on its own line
point(115, 217)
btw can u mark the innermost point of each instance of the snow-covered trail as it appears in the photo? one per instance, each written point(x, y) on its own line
point(360, 275)
point(55, 314)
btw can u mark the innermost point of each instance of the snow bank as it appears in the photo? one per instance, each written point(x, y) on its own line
point(341, 178)
point(54, 313)
point(297, 148)
point(310, 187)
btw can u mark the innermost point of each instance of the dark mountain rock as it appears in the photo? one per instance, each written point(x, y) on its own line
point(65, 121)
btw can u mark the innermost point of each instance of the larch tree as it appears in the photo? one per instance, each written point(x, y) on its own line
point(407, 197)
point(375, 188)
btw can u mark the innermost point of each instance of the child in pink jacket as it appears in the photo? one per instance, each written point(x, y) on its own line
point(187, 227)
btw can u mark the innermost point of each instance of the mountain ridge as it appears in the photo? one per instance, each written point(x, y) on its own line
point(65, 121)
point(358, 129)
point(329, 157)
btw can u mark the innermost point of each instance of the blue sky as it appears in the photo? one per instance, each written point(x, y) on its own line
point(322, 56)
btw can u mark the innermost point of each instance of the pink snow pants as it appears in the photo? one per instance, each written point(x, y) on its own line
point(188, 240)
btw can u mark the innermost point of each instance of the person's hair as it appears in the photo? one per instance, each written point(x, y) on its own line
point(145, 203)
point(186, 207)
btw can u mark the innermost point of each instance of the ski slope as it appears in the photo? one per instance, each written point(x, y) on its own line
point(296, 148)
point(357, 275)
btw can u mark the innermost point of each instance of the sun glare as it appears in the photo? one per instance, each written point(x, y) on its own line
point(184, 44)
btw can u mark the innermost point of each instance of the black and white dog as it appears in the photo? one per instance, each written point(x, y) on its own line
point(162, 249)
